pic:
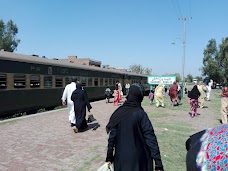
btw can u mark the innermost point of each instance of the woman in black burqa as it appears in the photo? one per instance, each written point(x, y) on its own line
point(132, 136)
point(81, 101)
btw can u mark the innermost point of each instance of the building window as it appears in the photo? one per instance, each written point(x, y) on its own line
point(58, 81)
point(48, 81)
point(3, 81)
point(90, 81)
point(95, 81)
point(34, 81)
point(19, 81)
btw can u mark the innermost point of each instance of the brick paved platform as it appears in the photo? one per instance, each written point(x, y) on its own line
point(46, 142)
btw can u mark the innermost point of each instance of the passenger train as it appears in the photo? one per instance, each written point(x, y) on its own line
point(29, 82)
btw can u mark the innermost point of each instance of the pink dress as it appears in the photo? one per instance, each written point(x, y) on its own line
point(116, 96)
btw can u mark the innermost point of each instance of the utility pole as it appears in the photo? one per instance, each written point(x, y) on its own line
point(184, 49)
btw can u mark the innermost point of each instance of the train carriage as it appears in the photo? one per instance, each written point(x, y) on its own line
point(30, 82)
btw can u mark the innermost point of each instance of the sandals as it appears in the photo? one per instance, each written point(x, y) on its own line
point(75, 129)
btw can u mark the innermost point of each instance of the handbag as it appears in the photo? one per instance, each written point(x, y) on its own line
point(105, 167)
point(91, 118)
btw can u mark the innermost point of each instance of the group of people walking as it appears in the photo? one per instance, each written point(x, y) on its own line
point(132, 137)
point(196, 97)
point(132, 143)
point(201, 92)
point(77, 100)
point(157, 93)
point(117, 93)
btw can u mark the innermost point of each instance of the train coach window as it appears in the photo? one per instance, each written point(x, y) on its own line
point(106, 82)
point(101, 82)
point(19, 81)
point(90, 81)
point(114, 82)
point(58, 81)
point(3, 81)
point(47, 81)
point(110, 82)
point(95, 81)
point(67, 80)
point(34, 81)
point(83, 81)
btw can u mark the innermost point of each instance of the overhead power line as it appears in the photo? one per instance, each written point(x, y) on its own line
point(179, 8)
point(175, 10)
point(190, 8)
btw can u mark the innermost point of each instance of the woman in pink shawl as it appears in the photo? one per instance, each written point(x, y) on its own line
point(117, 97)
point(173, 93)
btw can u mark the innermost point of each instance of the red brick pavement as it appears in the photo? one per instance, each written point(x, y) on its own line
point(46, 142)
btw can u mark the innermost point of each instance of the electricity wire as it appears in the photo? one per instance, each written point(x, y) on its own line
point(175, 9)
point(179, 8)
point(190, 8)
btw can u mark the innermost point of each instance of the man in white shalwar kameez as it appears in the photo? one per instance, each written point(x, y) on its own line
point(67, 97)
point(209, 90)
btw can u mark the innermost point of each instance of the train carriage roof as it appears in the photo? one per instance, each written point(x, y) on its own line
point(39, 60)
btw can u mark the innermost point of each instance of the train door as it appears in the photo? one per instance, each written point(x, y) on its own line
point(125, 81)
point(121, 81)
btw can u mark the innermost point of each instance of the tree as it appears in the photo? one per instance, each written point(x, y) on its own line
point(223, 58)
point(147, 71)
point(8, 40)
point(189, 78)
point(216, 61)
point(139, 69)
point(211, 66)
point(199, 78)
point(178, 77)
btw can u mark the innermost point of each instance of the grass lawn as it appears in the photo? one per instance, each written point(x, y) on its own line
point(173, 126)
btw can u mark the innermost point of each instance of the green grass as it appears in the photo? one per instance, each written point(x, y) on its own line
point(59, 107)
point(172, 132)
point(171, 141)
point(156, 114)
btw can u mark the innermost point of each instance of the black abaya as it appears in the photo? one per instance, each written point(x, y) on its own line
point(80, 99)
point(132, 137)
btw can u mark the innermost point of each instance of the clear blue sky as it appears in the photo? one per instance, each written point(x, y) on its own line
point(119, 32)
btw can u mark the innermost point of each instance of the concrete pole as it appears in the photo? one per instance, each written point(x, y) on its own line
point(184, 49)
point(183, 58)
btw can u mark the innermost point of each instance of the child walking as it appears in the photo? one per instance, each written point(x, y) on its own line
point(151, 96)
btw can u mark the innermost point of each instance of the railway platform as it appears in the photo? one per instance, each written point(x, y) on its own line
point(46, 142)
